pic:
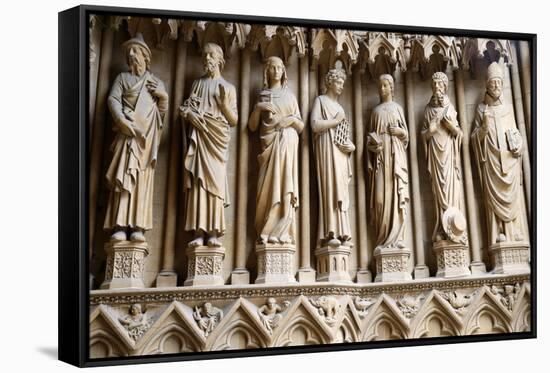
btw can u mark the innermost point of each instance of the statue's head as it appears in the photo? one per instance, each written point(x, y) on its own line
point(207, 307)
point(138, 54)
point(495, 80)
point(212, 58)
point(334, 80)
point(440, 83)
point(271, 302)
point(274, 70)
point(385, 86)
point(135, 309)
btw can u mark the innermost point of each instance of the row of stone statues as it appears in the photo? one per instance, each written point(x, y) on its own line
point(138, 101)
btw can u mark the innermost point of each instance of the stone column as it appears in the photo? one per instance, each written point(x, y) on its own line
point(306, 274)
point(98, 129)
point(420, 268)
point(476, 266)
point(520, 122)
point(240, 275)
point(168, 276)
point(363, 273)
point(525, 70)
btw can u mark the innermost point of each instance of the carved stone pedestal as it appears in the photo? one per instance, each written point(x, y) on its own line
point(204, 266)
point(510, 257)
point(275, 263)
point(333, 263)
point(125, 265)
point(452, 259)
point(392, 264)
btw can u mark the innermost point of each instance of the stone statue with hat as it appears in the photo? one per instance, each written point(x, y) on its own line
point(498, 146)
point(442, 142)
point(137, 102)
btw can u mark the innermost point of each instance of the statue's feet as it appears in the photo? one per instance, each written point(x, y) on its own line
point(401, 245)
point(334, 242)
point(501, 237)
point(199, 241)
point(263, 239)
point(213, 241)
point(137, 236)
point(119, 235)
point(518, 237)
point(438, 237)
point(274, 240)
point(285, 239)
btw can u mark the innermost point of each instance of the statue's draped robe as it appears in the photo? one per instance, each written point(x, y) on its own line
point(389, 180)
point(206, 187)
point(130, 175)
point(500, 170)
point(443, 155)
point(333, 174)
point(278, 168)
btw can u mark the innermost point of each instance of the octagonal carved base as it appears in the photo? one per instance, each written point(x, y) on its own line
point(392, 264)
point(333, 263)
point(204, 266)
point(275, 263)
point(510, 257)
point(125, 265)
point(452, 259)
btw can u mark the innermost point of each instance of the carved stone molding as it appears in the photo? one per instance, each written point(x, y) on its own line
point(204, 265)
point(331, 45)
point(275, 263)
point(279, 41)
point(382, 53)
point(392, 264)
point(333, 263)
point(464, 308)
point(432, 53)
point(125, 264)
point(185, 294)
point(452, 259)
point(225, 34)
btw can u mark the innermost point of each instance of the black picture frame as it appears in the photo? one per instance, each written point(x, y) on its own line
point(73, 153)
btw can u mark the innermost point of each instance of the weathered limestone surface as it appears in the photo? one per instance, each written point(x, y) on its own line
point(331, 157)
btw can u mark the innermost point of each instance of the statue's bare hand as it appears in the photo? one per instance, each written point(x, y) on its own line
point(155, 90)
point(222, 99)
point(340, 116)
point(197, 121)
point(266, 106)
point(286, 122)
point(127, 127)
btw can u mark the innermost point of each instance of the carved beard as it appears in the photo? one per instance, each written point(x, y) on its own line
point(210, 67)
point(495, 93)
point(439, 97)
point(137, 64)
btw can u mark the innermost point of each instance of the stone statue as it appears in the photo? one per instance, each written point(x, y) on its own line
point(136, 322)
point(270, 313)
point(389, 180)
point(207, 317)
point(497, 147)
point(210, 110)
point(443, 139)
point(137, 102)
point(328, 307)
point(278, 116)
point(332, 147)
